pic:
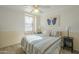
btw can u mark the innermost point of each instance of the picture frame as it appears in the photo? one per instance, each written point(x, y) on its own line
point(54, 21)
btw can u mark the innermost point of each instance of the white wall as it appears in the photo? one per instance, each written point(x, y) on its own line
point(68, 17)
point(38, 23)
point(11, 20)
point(11, 26)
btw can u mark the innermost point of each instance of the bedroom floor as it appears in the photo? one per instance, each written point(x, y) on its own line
point(18, 50)
point(14, 48)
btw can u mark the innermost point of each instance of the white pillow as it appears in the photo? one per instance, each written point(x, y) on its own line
point(46, 32)
point(54, 33)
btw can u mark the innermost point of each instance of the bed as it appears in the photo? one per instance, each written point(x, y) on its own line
point(41, 44)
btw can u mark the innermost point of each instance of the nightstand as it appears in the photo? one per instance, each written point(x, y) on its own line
point(68, 43)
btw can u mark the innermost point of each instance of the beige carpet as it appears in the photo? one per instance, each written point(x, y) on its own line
point(16, 49)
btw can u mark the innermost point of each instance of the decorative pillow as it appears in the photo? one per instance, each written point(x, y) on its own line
point(46, 32)
point(54, 33)
point(51, 33)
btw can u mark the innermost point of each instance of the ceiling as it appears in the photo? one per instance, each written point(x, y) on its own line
point(28, 8)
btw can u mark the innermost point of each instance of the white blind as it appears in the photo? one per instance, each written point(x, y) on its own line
point(28, 23)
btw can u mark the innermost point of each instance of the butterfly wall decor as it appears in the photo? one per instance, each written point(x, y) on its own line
point(52, 21)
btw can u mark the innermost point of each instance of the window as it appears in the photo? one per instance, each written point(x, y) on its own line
point(28, 23)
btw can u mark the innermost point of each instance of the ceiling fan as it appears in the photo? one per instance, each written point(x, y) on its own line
point(34, 9)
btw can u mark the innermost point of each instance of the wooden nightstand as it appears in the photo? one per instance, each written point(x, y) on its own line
point(68, 43)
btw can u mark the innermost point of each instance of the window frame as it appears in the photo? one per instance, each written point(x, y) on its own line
point(33, 24)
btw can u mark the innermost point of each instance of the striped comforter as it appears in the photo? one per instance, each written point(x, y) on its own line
point(40, 44)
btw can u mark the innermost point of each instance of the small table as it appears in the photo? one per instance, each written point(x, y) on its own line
point(68, 42)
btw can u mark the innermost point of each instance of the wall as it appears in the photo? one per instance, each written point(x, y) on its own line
point(11, 26)
point(38, 23)
point(68, 17)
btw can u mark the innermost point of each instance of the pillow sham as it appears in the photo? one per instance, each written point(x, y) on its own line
point(55, 33)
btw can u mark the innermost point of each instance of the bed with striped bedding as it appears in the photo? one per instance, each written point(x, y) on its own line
point(40, 44)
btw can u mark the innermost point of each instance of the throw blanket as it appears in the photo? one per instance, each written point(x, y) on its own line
point(38, 43)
